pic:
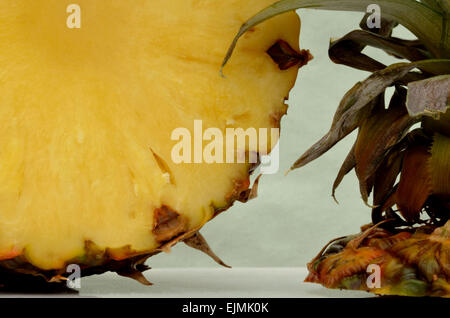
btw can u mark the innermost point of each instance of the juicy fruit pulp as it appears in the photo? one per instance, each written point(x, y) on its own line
point(86, 117)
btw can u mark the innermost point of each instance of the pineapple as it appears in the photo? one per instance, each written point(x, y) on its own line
point(87, 111)
point(402, 152)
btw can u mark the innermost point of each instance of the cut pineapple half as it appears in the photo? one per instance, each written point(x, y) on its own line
point(87, 113)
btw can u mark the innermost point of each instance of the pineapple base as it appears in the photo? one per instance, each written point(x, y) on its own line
point(406, 263)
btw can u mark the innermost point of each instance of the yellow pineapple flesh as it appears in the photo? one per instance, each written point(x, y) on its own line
point(87, 113)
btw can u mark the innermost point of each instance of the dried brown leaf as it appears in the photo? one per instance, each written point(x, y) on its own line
point(354, 108)
point(429, 97)
point(440, 165)
point(377, 135)
point(136, 275)
point(386, 176)
point(386, 25)
point(348, 50)
point(198, 242)
point(347, 166)
point(250, 194)
point(415, 182)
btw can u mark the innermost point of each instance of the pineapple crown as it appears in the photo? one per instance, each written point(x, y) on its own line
point(387, 147)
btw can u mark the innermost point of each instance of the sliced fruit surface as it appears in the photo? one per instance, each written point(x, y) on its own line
point(87, 114)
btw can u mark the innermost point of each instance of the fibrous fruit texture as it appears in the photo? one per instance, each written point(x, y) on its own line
point(86, 117)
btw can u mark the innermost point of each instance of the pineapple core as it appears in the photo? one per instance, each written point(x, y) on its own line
point(87, 114)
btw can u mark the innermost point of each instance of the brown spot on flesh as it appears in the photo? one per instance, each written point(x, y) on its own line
point(286, 57)
point(167, 224)
point(170, 227)
point(275, 117)
point(163, 166)
point(240, 187)
point(250, 193)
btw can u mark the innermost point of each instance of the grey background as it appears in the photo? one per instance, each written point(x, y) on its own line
point(295, 215)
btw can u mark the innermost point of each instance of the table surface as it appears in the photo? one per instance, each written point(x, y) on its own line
point(207, 283)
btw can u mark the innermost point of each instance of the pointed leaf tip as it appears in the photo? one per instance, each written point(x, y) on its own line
point(198, 242)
